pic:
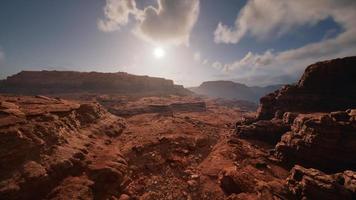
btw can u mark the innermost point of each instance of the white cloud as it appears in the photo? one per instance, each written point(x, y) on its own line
point(205, 62)
point(197, 57)
point(170, 22)
point(117, 14)
point(266, 18)
point(263, 18)
point(252, 60)
point(217, 65)
point(290, 63)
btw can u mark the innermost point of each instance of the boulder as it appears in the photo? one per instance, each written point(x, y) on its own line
point(266, 130)
point(313, 184)
point(72, 188)
point(321, 140)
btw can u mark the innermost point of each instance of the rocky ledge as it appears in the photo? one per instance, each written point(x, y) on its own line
point(54, 149)
point(312, 124)
point(314, 184)
point(326, 141)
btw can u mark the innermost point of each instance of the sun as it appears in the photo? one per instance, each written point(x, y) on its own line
point(159, 52)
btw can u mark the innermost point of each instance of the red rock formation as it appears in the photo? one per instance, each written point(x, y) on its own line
point(266, 130)
point(324, 87)
point(321, 136)
point(325, 141)
point(47, 147)
point(56, 82)
point(57, 149)
point(313, 184)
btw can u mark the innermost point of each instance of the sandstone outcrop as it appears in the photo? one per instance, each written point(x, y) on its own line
point(325, 141)
point(50, 148)
point(324, 87)
point(61, 82)
point(266, 130)
point(313, 122)
point(313, 184)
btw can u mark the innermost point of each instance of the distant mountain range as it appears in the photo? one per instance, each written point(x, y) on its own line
point(232, 90)
point(58, 82)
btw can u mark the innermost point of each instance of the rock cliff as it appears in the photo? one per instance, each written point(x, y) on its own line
point(55, 82)
point(312, 124)
point(325, 86)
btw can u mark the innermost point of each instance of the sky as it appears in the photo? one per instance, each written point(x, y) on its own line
point(256, 42)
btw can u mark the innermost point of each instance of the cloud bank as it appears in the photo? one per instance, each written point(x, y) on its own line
point(171, 22)
point(264, 19)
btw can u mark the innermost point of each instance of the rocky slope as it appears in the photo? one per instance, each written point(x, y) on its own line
point(60, 149)
point(312, 124)
point(232, 90)
point(57, 149)
point(56, 82)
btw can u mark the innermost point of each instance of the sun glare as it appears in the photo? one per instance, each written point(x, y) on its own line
point(159, 52)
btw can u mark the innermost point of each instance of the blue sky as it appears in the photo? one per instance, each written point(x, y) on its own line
point(258, 42)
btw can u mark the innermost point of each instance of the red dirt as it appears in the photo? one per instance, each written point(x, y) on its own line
point(175, 155)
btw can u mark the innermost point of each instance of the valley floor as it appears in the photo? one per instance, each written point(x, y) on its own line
point(190, 155)
point(59, 149)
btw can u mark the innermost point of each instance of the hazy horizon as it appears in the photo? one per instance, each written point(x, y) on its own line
point(256, 42)
point(186, 86)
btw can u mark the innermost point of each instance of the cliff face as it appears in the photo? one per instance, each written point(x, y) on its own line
point(232, 90)
point(324, 86)
point(51, 82)
point(312, 124)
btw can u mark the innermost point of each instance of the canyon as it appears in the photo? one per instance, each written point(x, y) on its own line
point(71, 135)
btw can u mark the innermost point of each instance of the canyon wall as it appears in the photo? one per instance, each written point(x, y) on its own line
point(312, 125)
point(54, 82)
point(324, 86)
